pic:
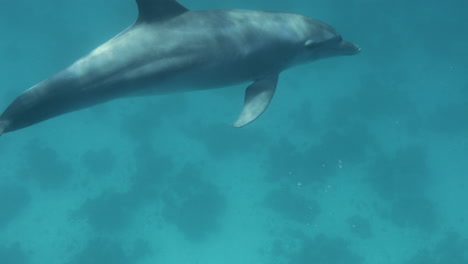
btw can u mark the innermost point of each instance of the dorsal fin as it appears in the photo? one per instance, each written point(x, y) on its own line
point(155, 10)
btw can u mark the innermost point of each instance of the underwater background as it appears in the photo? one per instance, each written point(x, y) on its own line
point(358, 160)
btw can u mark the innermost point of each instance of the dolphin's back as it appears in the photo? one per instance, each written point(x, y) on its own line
point(198, 49)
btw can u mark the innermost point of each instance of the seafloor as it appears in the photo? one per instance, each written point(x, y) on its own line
point(358, 160)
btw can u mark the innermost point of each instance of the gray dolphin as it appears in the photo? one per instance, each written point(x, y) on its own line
point(172, 49)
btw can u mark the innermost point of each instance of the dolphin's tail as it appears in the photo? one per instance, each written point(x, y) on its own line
point(3, 125)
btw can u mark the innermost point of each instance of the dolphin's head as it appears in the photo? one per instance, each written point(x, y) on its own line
point(320, 40)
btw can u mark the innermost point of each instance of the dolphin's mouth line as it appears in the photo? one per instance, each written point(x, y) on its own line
point(353, 51)
point(347, 47)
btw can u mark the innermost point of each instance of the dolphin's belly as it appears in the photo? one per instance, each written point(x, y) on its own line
point(197, 77)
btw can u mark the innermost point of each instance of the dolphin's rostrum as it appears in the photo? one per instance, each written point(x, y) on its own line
point(172, 49)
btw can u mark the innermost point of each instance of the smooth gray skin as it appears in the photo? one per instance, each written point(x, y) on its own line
point(171, 49)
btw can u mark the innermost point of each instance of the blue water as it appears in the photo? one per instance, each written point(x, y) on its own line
point(358, 160)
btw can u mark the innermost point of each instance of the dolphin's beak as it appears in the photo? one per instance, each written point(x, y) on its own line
point(349, 48)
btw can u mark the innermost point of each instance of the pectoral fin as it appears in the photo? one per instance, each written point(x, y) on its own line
point(257, 98)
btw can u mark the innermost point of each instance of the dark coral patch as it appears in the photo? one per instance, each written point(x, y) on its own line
point(45, 166)
point(452, 249)
point(301, 249)
point(402, 181)
point(323, 249)
point(99, 162)
point(13, 200)
point(152, 170)
point(193, 204)
point(109, 212)
point(99, 251)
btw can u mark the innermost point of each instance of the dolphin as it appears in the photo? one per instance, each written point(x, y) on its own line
point(173, 49)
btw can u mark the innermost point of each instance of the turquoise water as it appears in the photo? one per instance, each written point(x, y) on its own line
point(357, 160)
